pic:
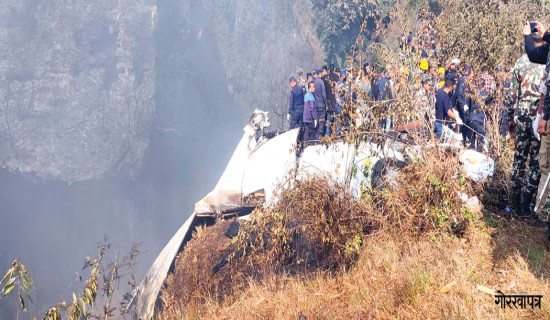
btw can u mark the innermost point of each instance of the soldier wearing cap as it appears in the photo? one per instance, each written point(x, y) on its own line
point(423, 113)
point(524, 92)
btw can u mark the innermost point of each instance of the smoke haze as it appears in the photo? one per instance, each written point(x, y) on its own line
point(53, 226)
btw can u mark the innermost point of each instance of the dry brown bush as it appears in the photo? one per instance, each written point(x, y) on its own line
point(314, 224)
point(316, 227)
point(426, 197)
point(401, 277)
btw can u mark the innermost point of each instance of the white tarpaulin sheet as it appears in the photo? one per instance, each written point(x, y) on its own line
point(476, 166)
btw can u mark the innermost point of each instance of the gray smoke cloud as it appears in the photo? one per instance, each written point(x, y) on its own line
point(136, 192)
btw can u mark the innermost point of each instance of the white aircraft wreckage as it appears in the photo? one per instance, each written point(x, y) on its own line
point(259, 165)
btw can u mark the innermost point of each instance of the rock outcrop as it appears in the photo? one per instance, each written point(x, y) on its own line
point(261, 43)
point(77, 82)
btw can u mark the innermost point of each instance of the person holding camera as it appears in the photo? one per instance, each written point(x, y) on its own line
point(537, 54)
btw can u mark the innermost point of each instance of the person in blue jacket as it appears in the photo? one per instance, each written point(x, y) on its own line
point(310, 114)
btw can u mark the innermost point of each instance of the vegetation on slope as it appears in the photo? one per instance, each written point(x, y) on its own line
point(409, 252)
point(399, 277)
point(413, 250)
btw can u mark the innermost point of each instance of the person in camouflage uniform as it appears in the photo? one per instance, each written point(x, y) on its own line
point(526, 79)
point(505, 92)
point(424, 100)
point(541, 54)
point(423, 112)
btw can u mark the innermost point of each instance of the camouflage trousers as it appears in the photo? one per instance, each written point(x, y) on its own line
point(544, 207)
point(526, 150)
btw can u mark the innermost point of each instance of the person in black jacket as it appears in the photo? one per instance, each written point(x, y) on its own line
point(320, 100)
point(536, 54)
point(296, 105)
point(330, 84)
point(462, 102)
point(331, 99)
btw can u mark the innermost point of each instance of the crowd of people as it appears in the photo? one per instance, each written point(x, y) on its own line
point(316, 101)
point(332, 87)
point(446, 99)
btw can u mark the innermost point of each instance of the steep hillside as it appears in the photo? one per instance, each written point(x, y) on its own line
point(79, 81)
point(261, 43)
point(397, 276)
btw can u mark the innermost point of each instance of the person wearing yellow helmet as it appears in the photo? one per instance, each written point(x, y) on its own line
point(424, 65)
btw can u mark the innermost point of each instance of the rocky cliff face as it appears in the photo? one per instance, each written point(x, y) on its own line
point(261, 43)
point(77, 80)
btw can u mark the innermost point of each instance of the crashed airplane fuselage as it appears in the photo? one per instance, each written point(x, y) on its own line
point(260, 166)
point(258, 169)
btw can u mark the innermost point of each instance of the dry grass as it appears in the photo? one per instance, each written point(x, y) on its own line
point(399, 277)
point(316, 225)
point(295, 258)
